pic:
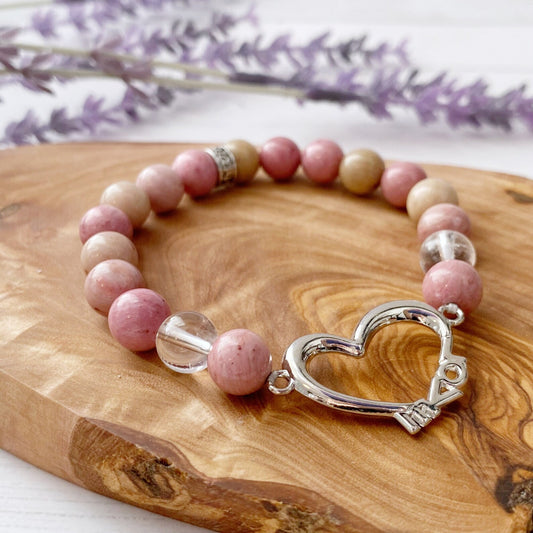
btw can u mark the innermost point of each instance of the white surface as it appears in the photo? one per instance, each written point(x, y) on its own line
point(469, 39)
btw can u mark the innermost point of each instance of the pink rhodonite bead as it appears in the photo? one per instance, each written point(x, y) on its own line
point(443, 216)
point(135, 317)
point(321, 161)
point(239, 362)
point(162, 185)
point(453, 281)
point(280, 158)
point(398, 179)
point(198, 172)
point(109, 279)
point(104, 218)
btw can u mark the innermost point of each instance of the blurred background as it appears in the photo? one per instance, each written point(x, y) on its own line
point(429, 82)
point(481, 44)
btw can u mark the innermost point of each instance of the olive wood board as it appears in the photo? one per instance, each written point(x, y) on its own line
point(283, 260)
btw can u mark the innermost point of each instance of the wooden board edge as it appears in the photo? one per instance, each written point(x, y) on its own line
point(140, 470)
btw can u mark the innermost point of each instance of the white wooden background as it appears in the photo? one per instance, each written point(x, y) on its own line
point(485, 38)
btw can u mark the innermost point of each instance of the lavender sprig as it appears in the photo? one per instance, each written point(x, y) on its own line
point(104, 63)
point(386, 89)
point(107, 59)
point(83, 15)
point(98, 15)
point(92, 118)
point(318, 50)
point(381, 78)
point(184, 34)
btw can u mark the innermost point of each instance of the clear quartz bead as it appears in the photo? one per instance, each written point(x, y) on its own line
point(184, 340)
point(445, 245)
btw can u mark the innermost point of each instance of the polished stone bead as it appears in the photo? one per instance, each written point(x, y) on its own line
point(162, 185)
point(108, 280)
point(107, 245)
point(246, 158)
point(184, 340)
point(321, 160)
point(198, 172)
point(397, 181)
point(239, 362)
point(445, 245)
point(135, 317)
point(427, 193)
point(453, 282)
point(280, 158)
point(104, 218)
point(443, 216)
point(360, 171)
point(128, 198)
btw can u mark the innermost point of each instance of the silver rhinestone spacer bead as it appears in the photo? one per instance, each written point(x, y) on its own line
point(226, 164)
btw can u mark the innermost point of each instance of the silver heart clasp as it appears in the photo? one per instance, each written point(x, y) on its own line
point(444, 387)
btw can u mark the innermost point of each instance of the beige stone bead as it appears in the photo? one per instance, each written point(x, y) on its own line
point(128, 198)
point(107, 245)
point(427, 193)
point(361, 170)
point(246, 157)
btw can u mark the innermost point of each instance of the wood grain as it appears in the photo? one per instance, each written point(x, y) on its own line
point(282, 260)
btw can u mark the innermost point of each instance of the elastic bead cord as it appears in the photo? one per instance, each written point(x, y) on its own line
point(239, 360)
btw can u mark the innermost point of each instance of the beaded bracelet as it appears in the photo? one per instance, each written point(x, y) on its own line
point(239, 361)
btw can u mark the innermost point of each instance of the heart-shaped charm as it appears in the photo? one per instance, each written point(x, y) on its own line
point(444, 387)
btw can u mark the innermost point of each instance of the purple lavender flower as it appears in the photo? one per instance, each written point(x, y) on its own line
point(93, 118)
point(94, 115)
point(44, 22)
point(23, 132)
point(7, 55)
point(76, 17)
point(317, 51)
point(88, 15)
